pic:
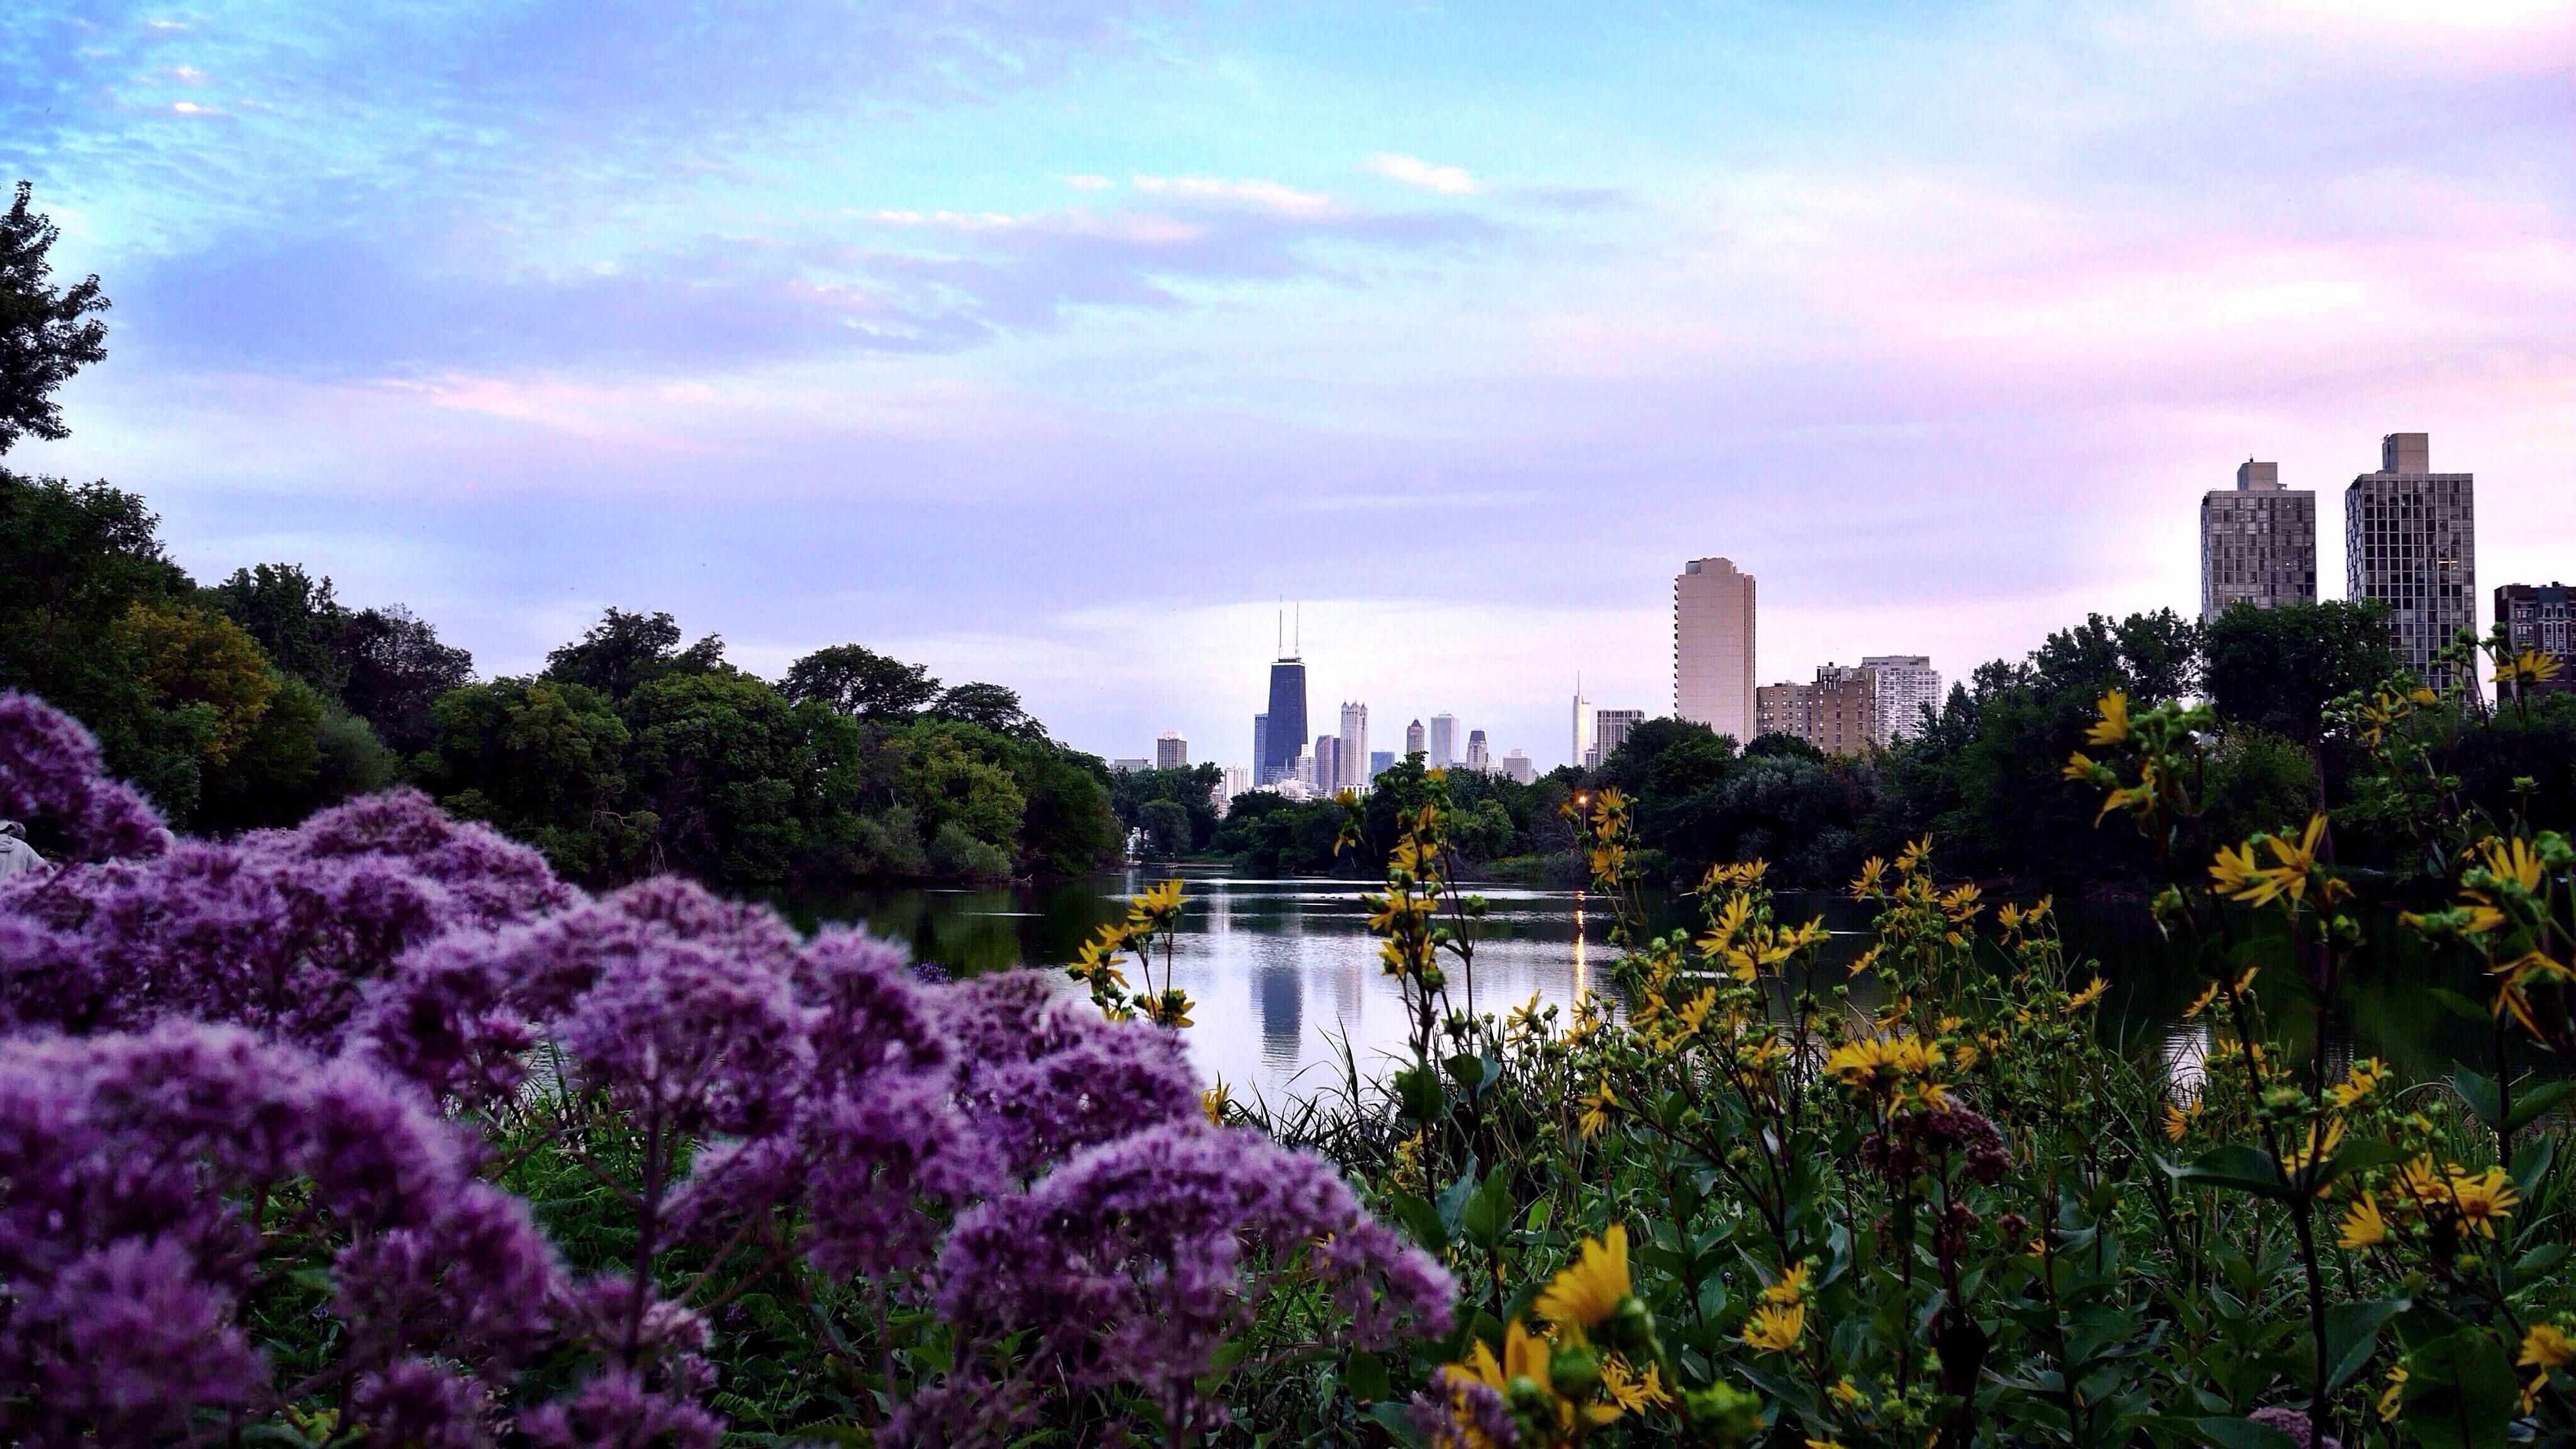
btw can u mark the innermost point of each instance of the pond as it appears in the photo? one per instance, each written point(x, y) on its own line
point(1289, 993)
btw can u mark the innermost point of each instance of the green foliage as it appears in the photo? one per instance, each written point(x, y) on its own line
point(623, 652)
point(858, 681)
point(2278, 669)
point(296, 621)
point(541, 760)
point(47, 333)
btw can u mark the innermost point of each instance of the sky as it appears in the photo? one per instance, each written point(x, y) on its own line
point(1056, 344)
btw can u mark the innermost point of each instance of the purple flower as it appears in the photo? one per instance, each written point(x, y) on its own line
point(2293, 1422)
point(1461, 1411)
point(1128, 1263)
point(414, 1401)
point(133, 1166)
point(50, 770)
point(1043, 1076)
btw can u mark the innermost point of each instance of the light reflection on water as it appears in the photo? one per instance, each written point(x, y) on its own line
point(1284, 972)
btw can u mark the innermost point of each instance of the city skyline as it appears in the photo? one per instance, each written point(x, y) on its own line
point(1937, 318)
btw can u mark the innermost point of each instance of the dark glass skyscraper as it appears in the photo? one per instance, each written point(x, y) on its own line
point(1287, 719)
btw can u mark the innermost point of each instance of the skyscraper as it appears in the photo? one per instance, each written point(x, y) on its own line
point(1907, 685)
point(1355, 750)
point(1260, 749)
point(2258, 542)
point(1444, 741)
point(1609, 730)
point(1713, 647)
point(1479, 758)
point(1287, 719)
point(1413, 738)
point(1517, 766)
point(2410, 539)
point(1328, 763)
point(1170, 750)
point(1580, 749)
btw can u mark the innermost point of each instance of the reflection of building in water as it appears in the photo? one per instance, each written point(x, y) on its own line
point(1281, 998)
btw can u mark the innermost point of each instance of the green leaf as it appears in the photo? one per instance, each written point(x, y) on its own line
point(2352, 1331)
point(2480, 1094)
point(2530, 1165)
point(2462, 1007)
point(1489, 1209)
point(1453, 1198)
point(2233, 1433)
point(2536, 1104)
point(1365, 1376)
point(1417, 1088)
point(1421, 1219)
point(2237, 1167)
point(1467, 1070)
point(2459, 1392)
point(2355, 1157)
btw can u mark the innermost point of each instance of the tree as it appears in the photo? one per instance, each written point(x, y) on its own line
point(858, 681)
point(46, 333)
point(394, 670)
point(2277, 669)
point(988, 706)
point(1166, 824)
point(717, 759)
point(541, 760)
point(623, 652)
point(296, 620)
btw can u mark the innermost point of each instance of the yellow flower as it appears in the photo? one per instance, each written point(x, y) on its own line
point(1914, 856)
point(2323, 1139)
point(2482, 1198)
point(2545, 1347)
point(2362, 1225)
point(1847, 1393)
point(2364, 1079)
point(2512, 860)
point(1589, 1289)
point(2178, 1121)
point(1866, 883)
point(2201, 1002)
point(2088, 995)
point(1213, 1103)
point(1774, 1327)
point(2390, 1397)
point(1596, 1110)
point(2234, 871)
point(2114, 724)
point(1631, 1390)
point(1158, 898)
point(2078, 766)
point(1789, 1287)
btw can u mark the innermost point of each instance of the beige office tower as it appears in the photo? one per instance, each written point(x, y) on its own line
point(1713, 647)
point(2258, 542)
point(1355, 750)
point(2410, 538)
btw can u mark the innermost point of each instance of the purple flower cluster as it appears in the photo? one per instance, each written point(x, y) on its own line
point(50, 771)
point(283, 932)
point(791, 1106)
point(160, 1187)
point(1129, 1261)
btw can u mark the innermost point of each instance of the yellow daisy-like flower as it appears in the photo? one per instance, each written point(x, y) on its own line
point(1631, 1390)
point(1866, 883)
point(1775, 1327)
point(2178, 1121)
point(2512, 860)
point(1847, 1393)
point(2088, 995)
point(1596, 1111)
point(2113, 727)
point(1589, 1289)
point(1913, 856)
point(2482, 1198)
point(1213, 1103)
point(2201, 1002)
point(2365, 1078)
point(2362, 1226)
point(2545, 1347)
point(1789, 1287)
point(2392, 1396)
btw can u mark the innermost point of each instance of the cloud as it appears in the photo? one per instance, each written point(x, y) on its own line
point(1447, 180)
point(1269, 195)
point(1089, 183)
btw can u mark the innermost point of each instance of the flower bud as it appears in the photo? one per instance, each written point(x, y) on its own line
point(1630, 1328)
point(1573, 1371)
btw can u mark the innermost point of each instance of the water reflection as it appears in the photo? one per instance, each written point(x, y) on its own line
point(1285, 972)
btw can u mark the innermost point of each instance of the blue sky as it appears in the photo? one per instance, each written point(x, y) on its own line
point(1053, 343)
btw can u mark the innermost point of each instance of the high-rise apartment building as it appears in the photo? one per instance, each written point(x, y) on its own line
point(2537, 617)
point(1287, 735)
point(1780, 709)
point(1413, 744)
point(1328, 763)
point(1838, 714)
point(1443, 751)
point(1609, 730)
point(1260, 748)
point(1171, 752)
point(1355, 751)
point(2410, 539)
point(1236, 780)
point(1907, 685)
point(1713, 647)
point(1478, 758)
point(2258, 542)
point(1517, 766)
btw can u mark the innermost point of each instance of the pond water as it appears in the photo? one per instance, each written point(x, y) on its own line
point(1285, 974)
